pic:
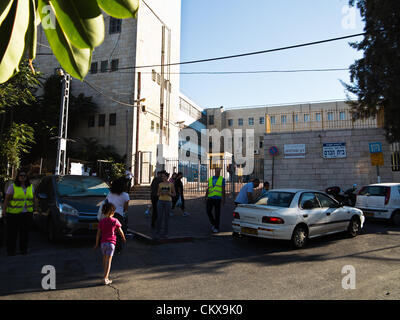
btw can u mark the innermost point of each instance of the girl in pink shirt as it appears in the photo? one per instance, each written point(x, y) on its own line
point(107, 230)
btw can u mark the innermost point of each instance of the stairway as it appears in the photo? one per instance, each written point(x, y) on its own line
point(140, 193)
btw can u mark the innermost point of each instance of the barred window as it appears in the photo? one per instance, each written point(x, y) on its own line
point(93, 67)
point(115, 25)
point(113, 119)
point(114, 64)
point(102, 120)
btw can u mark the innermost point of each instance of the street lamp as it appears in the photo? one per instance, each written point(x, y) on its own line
point(63, 123)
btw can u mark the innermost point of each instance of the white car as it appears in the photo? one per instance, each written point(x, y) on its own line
point(296, 215)
point(380, 201)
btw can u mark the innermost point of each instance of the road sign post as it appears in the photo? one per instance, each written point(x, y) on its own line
point(375, 149)
point(273, 151)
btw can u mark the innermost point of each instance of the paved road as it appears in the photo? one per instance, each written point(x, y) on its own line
point(211, 267)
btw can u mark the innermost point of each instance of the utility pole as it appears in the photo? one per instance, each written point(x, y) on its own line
point(136, 174)
point(160, 143)
point(63, 124)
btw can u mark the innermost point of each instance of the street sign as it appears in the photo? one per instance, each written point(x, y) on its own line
point(273, 151)
point(375, 147)
point(377, 159)
point(334, 150)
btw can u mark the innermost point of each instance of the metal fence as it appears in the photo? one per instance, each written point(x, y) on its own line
point(195, 175)
point(395, 156)
point(318, 120)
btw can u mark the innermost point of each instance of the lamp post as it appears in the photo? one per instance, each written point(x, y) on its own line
point(63, 123)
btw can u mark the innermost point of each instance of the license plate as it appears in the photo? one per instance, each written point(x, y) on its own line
point(249, 231)
point(94, 226)
point(369, 214)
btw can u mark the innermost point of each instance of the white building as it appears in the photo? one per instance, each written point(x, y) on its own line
point(117, 78)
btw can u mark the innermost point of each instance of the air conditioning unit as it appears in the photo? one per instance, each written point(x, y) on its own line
point(256, 151)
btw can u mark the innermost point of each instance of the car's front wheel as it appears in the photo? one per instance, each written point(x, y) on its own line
point(299, 237)
point(354, 227)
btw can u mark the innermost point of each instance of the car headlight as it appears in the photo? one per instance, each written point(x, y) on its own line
point(68, 210)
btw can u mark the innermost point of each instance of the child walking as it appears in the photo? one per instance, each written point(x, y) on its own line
point(107, 229)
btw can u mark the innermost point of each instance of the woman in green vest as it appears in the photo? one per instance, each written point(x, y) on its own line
point(18, 206)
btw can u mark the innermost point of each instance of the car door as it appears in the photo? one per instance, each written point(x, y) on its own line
point(312, 213)
point(43, 198)
point(336, 216)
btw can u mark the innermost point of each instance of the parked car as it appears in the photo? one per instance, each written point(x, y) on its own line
point(67, 206)
point(296, 215)
point(380, 201)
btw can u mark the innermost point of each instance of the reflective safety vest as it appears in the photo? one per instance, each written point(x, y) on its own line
point(217, 189)
point(20, 199)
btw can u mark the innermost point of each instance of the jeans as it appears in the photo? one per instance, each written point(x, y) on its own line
point(164, 207)
point(154, 204)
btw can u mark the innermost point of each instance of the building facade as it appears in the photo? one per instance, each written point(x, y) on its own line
point(138, 105)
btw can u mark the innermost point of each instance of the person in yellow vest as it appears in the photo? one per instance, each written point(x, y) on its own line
point(215, 195)
point(18, 206)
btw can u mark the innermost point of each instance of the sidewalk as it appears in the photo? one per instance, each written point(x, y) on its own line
point(194, 226)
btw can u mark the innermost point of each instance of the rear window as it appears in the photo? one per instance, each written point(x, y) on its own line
point(81, 186)
point(276, 199)
point(376, 191)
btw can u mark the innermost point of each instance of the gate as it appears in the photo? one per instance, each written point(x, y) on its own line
point(195, 175)
point(145, 167)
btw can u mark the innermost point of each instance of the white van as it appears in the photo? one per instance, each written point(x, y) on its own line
point(380, 201)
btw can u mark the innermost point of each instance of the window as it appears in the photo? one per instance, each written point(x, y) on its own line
point(102, 120)
point(261, 143)
point(325, 201)
point(276, 199)
point(295, 118)
point(152, 126)
point(272, 119)
point(283, 119)
point(211, 119)
point(318, 117)
point(251, 121)
point(230, 122)
point(308, 201)
point(307, 118)
point(342, 115)
point(330, 116)
point(157, 128)
point(104, 66)
point(262, 120)
point(240, 121)
point(93, 67)
point(91, 120)
point(115, 25)
point(113, 119)
point(114, 64)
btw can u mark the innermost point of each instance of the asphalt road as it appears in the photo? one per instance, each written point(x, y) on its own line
point(213, 267)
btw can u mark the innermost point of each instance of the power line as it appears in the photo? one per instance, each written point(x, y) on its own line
point(251, 53)
point(249, 72)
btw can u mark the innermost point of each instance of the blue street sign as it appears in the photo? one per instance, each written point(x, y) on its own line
point(375, 147)
point(273, 151)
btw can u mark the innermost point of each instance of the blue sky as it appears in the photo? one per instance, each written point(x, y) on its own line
point(213, 28)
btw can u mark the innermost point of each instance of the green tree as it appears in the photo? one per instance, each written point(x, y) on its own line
point(73, 29)
point(375, 78)
point(15, 142)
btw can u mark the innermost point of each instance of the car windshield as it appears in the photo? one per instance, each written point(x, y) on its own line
point(276, 199)
point(81, 186)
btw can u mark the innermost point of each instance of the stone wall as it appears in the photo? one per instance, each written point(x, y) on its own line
point(315, 172)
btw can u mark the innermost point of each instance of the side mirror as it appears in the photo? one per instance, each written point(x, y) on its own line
point(42, 196)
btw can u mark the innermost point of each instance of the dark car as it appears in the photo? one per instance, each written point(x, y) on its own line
point(67, 206)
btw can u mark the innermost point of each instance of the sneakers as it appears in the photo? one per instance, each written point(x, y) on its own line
point(185, 214)
point(214, 229)
point(107, 281)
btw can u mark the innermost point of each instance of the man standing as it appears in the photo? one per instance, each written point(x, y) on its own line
point(215, 194)
point(246, 194)
point(154, 197)
point(128, 179)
